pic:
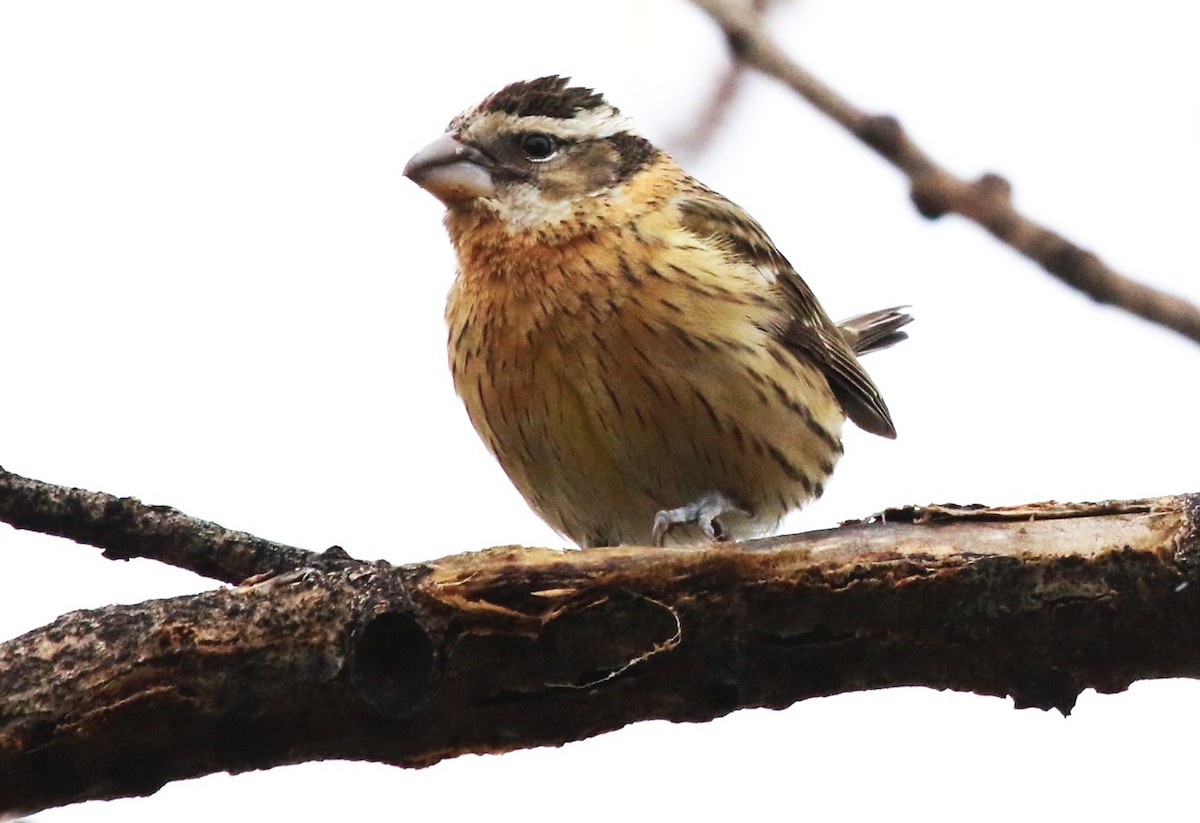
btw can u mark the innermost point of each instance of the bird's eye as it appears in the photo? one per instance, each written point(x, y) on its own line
point(538, 146)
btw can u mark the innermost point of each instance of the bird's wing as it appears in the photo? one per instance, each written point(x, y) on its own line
point(808, 331)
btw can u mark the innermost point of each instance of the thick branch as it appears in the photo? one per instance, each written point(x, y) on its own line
point(935, 191)
point(126, 528)
point(515, 647)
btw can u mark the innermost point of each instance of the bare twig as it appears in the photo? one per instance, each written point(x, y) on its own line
point(935, 191)
point(126, 528)
point(716, 108)
point(713, 115)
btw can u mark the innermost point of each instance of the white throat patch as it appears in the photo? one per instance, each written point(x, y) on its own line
point(526, 207)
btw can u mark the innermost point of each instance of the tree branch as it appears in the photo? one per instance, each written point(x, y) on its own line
point(516, 647)
point(935, 191)
point(127, 528)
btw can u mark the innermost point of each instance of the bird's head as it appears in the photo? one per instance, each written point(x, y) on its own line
point(530, 153)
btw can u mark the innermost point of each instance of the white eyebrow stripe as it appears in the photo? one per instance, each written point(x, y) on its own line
point(588, 123)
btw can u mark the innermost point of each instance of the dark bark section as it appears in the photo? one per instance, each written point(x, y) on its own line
point(517, 647)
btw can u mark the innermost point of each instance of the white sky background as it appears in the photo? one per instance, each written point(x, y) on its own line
point(218, 292)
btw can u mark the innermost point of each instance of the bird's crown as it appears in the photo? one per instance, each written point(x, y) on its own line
point(551, 101)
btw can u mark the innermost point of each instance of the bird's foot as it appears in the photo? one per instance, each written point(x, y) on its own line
point(703, 512)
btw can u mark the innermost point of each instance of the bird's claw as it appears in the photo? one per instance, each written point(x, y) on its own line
point(703, 512)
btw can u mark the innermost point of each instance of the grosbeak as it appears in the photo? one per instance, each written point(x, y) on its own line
point(630, 345)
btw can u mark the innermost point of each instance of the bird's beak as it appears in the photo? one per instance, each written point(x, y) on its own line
point(451, 171)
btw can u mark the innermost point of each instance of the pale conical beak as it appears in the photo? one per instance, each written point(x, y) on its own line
point(451, 171)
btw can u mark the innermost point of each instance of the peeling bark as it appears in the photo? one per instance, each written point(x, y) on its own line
point(517, 647)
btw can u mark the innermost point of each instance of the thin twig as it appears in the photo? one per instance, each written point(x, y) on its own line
point(126, 528)
point(715, 111)
point(713, 114)
point(935, 191)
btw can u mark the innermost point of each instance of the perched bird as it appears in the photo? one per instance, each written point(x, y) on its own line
point(631, 346)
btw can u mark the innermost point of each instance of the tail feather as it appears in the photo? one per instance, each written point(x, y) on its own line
point(876, 330)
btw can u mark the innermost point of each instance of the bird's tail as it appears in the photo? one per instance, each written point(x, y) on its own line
point(876, 330)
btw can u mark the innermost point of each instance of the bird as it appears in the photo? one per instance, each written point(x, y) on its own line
point(642, 360)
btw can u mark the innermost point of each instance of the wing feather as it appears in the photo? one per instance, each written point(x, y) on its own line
point(808, 332)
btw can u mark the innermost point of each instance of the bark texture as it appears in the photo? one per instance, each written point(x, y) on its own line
point(516, 647)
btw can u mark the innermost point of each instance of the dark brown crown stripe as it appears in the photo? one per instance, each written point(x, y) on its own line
point(544, 97)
